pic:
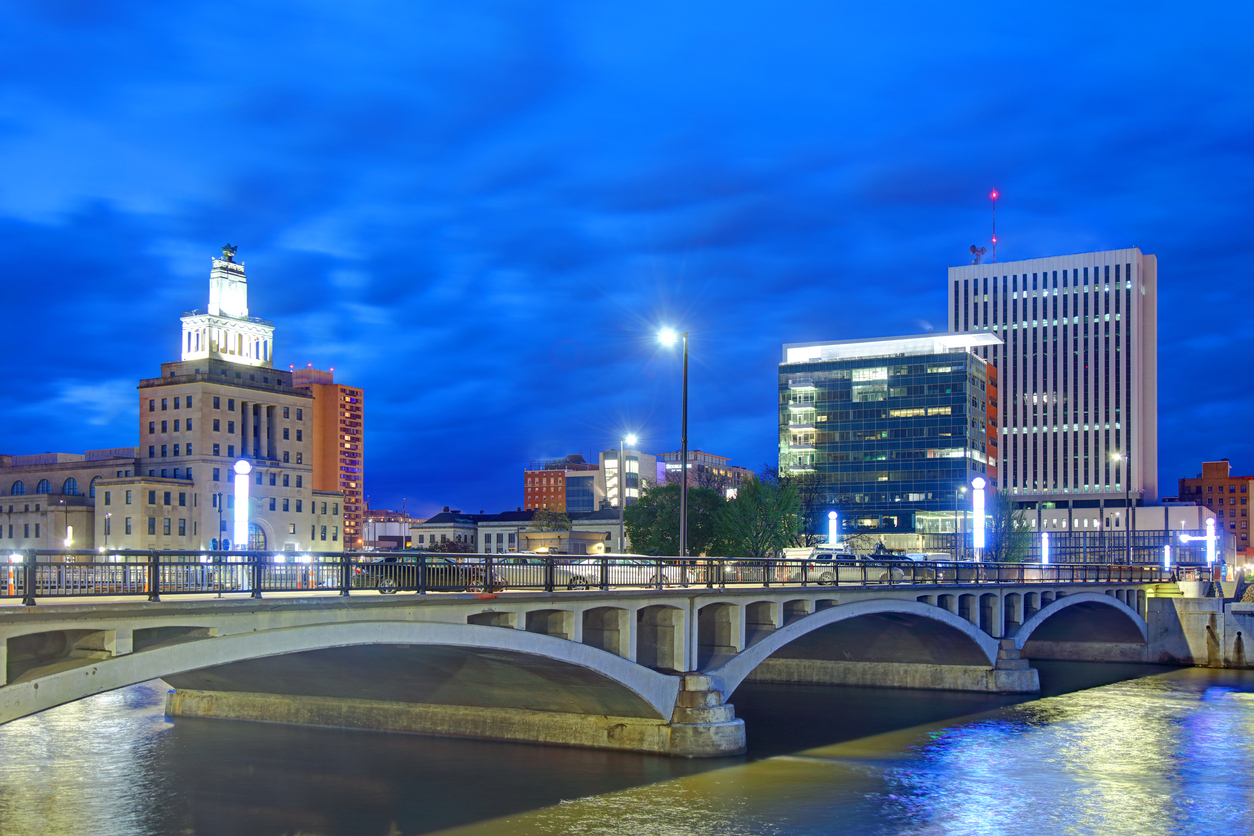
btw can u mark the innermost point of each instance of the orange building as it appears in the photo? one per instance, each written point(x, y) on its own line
point(338, 444)
point(992, 422)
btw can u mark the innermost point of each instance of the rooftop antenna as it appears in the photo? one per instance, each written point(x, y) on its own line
point(994, 198)
point(977, 252)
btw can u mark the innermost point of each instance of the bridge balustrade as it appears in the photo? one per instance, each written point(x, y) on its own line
point(34, 574)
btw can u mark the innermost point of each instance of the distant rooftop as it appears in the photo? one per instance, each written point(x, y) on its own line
point(887, 346)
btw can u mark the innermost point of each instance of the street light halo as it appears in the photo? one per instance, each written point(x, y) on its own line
point(667, 336)
point(630, 438)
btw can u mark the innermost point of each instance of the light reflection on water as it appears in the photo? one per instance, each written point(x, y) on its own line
point(1167, 754)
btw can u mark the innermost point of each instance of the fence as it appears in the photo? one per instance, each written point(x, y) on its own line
point(1104, 546)
point(34, 574)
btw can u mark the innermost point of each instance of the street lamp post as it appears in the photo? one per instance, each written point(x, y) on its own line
point(1127, 502)
point(958, 499)
point(106, 530)
point(668, 337)
point(622, 493)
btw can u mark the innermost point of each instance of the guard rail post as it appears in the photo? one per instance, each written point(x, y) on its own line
point(550, 569)
point(29, 577)
point(487, 573)
point(422, 574)
point(255, 557)
point(154, 576)
point(346, 565)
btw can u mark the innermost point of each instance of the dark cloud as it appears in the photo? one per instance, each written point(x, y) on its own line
point(482, 213)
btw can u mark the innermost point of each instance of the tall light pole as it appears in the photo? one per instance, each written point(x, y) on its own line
point(622, 492)
point(958, 499)
point(668, 337)
point(1127, 501)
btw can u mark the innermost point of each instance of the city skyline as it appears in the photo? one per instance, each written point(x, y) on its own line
point(437, 245)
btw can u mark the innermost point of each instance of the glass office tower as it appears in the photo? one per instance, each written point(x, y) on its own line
point(894, 428)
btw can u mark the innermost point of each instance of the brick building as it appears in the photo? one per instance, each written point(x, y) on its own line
point(1227, 495)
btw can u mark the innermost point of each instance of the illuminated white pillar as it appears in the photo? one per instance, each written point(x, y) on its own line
point(977, 508)
point(1210, 541)
point(1044, 547)
point(832, 536)
point(1167, 556)
point(242, 469)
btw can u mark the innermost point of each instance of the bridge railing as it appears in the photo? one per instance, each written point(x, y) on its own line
point(30, 575)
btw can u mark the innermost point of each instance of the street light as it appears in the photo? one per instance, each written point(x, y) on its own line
point(962, 491)
point(630, 439)
point(977, 508)
point(667, 336)
point(1127, 502)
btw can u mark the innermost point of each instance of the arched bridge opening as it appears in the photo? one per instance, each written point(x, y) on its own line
point(1085, 627)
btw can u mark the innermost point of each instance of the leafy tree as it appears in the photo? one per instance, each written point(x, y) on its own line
point(546, 520)
point(1007, 533)
point(652, 523)
point(763, 519)
point(451, 547)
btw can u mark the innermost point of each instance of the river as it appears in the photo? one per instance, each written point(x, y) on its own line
point(1136, 750)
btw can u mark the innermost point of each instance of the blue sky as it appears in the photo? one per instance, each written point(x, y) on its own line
point(482, 212)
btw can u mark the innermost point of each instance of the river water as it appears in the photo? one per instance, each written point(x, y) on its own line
point(1138, 750)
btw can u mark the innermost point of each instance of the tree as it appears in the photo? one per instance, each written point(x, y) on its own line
point(1008, 535)
point(451, 547)
point(813, 505)
point(652, 523)
point(546, 520)
point(762, 520)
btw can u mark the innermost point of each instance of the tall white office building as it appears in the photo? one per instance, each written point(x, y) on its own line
point(1077, 368)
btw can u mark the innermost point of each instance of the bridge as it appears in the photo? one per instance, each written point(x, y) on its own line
point(636, 656)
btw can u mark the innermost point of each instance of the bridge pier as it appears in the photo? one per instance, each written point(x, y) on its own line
point(701, 724)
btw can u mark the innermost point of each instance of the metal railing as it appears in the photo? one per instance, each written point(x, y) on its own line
point(33, 574)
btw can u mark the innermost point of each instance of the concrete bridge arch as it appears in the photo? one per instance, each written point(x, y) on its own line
point(958, 643)
point(583, 679)
point(1085, 626)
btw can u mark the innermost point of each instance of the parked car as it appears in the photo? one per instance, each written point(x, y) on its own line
point(629, 572)
point(393, 573)
point(532, 573)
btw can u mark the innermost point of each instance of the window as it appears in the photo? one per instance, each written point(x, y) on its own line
point(176, 449)
point(165, 526)
point(152, 451)
point(107, 498)
point(272, 476)
point(44, 486)
point(335, 533)
point(163, 405)
point(217, 448)
point(258, 477)
point(188, 451)
point(152, 497)
point(152, 525)
point(298, 435)
point(189, 406)
point(285, 480)
point(335, 509)
point(176, 403)
point(299, 456)
point(216, 472)
point(217, 404)
point(298, 506)
point(230, 404)
point(230, 451)
point(217, 425)
point(182, 527)
point(324, 533)
point(285, 415)
point(285, 433)
point(152, 405)
point(299, 479)
point(182, 500)
point(285, 458)
point(230, 427)
point(152, 427)
point(188, 424)
point(324, 507)
point(165, 426)
point(285, 507)
point(166, 498)
point(128, 525)
point(291, 528)
point(164, 451)
point(70, 487)
point(128, 497)
point(300, 414)
point(108, 529)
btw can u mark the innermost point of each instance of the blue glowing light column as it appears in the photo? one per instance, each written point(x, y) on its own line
point(242, 469)
point(832, 536)
point(1167, 557)
point(1210, 542)
point(977, 508)
point(1044, 547)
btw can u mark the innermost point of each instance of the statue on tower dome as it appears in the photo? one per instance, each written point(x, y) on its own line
point(228, 252)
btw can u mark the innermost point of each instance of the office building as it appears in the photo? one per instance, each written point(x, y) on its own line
point(1077, 367)
point(894, 428)
point(641, 471)
point(705, 470)
point(1228, 496)
point(338, 444)
point(571, 485)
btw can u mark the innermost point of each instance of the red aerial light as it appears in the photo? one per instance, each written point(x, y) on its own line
point(994, 194)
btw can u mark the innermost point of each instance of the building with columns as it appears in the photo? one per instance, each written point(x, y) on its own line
point(221, 402)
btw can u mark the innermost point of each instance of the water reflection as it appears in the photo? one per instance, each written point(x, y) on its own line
point(1163, 754)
